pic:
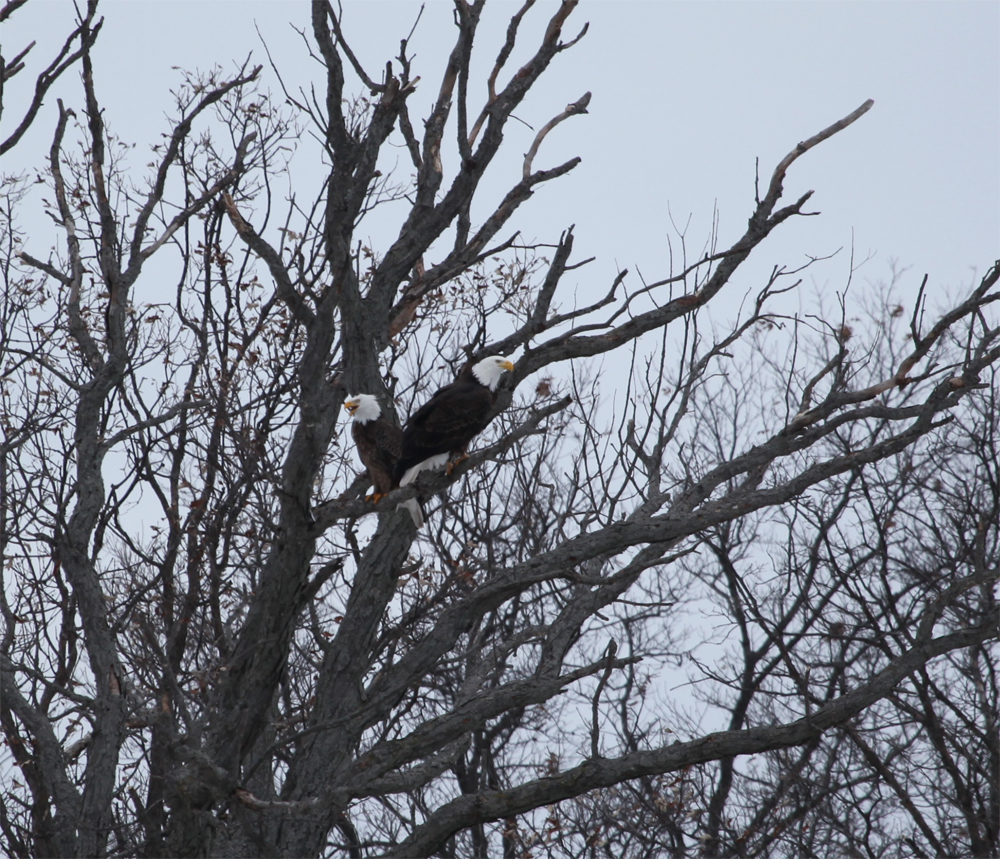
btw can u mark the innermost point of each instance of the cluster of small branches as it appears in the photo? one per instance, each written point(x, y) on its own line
point(741, 604)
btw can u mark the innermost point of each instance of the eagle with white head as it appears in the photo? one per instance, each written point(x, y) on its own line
point(448, 421)
point(379, 442)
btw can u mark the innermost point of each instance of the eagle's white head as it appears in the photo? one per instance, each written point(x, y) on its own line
point(362, 407)
point(489, 370)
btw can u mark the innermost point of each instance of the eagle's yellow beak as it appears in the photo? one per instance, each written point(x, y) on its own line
point(508, 365)
point(352, 406)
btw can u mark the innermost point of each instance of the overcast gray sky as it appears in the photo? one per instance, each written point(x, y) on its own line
point(686, 95)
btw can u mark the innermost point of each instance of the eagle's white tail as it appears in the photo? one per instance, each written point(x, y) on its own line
point(416, 514)
point(435, 461)
point(413, 505)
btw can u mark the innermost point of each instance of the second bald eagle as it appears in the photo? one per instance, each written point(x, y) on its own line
point(379, 443)
point(449, 420)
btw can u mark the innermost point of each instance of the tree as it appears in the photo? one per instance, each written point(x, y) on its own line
point(214, 646)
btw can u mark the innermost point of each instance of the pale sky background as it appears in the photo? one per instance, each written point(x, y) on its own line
point(686, 94)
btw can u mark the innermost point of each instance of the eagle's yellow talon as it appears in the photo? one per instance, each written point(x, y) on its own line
point(455, 463)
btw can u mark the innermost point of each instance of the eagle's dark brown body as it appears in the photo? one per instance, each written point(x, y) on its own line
point(379, 444)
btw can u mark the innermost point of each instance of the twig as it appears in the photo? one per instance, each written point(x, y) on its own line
point(595, 729)
point(577, 107)
point(774, 189)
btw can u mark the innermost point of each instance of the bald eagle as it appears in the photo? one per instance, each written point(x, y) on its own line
point(449, 420)
point(379, 443)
